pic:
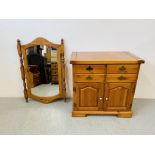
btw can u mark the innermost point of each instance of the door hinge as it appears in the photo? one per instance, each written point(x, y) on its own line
point(74, 89)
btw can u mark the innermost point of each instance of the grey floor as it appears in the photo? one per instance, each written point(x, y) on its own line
point(19, 117)
point(46, 90)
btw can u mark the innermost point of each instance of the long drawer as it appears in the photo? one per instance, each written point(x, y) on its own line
point(122, 68)
point(97, 69)
point(89, 78)
point(121, 77)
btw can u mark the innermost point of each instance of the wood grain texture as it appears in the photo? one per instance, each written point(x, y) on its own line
point(125, 69)
point(105, 58)
point(104, 83)
point(121, 114)
point(97, 69)
point(118, 96)
point(22, 70)
point(89, 78)
point(25, 71)
point(121, 78)
point(88, 96)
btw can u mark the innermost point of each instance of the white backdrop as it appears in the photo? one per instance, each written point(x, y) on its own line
point(137, 36)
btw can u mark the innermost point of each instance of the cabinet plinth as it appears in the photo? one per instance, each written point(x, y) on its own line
point(104, 83)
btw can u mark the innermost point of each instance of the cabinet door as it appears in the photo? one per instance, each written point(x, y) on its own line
point(118, 96)
point(88, 96)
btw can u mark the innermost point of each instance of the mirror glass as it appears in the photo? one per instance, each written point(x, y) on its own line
point(43, 70)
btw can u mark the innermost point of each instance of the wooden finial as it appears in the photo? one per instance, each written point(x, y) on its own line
point(62, 41)
point(18, 41)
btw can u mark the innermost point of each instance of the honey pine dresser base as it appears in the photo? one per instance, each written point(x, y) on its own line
point(104, 83)
point(122, 114)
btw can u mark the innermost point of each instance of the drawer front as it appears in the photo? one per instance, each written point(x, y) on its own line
point(121, 78)
point(122, 68)
point(54, 77)
point(89, 78)
point(36, 75)
point(54, 65)
point(54, 72)
point(89, 69)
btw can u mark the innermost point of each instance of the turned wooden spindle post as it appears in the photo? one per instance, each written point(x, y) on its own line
point(22, 69)
point(63, 67)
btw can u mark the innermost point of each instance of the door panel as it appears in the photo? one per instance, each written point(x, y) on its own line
point(89, 96)
point(86, 97)
point(118, 96)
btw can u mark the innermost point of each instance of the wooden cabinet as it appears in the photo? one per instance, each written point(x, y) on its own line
point(54, 72)
point(34, 75)
point(88, 96)
point(104, 82)
point(118, 96)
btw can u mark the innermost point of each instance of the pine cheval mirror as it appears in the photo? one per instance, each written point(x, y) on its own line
point(42, 70)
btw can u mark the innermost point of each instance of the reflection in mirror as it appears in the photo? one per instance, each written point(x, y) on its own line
point(43, 70)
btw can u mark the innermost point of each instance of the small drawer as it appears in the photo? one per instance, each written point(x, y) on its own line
point(121, 77)
point(54, 67)
point(36, 75)
point(54, 71)
point(89, 69)
point(54, 77)
point(89, 78)
point(122, 68)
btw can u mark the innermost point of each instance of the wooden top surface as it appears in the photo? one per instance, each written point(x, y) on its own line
point(104, 58)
